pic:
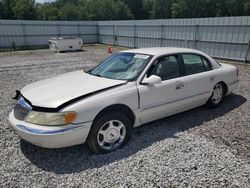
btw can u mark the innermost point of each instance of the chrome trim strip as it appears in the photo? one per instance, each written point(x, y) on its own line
point(234, 82)
point(44, 132)
point(165, 103)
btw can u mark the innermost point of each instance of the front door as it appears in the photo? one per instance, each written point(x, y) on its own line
point(160, 100)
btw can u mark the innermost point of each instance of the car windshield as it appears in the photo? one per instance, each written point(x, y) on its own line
point(122, 66)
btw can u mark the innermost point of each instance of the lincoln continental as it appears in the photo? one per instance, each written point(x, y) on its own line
point(130, 88)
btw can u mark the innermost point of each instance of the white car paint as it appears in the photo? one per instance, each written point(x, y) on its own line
point(55, 91)
point(147, 102)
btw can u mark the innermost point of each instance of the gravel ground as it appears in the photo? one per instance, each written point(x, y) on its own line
point(198, 148)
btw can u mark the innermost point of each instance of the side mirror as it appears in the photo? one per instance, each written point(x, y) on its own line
point(153, 79)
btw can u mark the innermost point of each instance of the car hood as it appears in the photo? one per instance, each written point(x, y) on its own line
point(54, 92)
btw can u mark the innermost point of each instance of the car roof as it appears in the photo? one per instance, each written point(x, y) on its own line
point(162, 51)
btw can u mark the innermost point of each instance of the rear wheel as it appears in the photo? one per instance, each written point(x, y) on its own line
point(109, 132)
point(217, 96)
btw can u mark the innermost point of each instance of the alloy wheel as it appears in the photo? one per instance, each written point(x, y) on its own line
point(217, 93)
point(111, 135)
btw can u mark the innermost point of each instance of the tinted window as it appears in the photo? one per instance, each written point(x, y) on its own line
point(193, 64)
point(166, 68)
point(207, 64)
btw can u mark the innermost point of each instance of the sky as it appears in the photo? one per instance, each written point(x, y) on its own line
point(42, 1)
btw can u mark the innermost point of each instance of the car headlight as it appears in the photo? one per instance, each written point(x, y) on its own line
point(46, 118)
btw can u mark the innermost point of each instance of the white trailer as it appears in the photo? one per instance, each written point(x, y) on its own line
point(63, 44)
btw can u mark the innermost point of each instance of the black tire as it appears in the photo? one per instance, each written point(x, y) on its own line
point(99, 123)
point(212, 102)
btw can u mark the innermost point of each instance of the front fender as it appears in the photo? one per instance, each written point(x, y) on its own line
point(88, 108)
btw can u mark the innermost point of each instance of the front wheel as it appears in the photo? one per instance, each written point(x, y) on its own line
point(217, 96)
point(109, 132)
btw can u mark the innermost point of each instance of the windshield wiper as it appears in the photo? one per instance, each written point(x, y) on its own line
point(89, 72)
point(98, 75)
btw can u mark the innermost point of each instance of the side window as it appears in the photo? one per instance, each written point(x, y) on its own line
point(207, 64)
point(194, 64)
point(166, 68)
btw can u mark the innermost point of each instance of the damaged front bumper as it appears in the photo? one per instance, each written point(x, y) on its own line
point(51, 136)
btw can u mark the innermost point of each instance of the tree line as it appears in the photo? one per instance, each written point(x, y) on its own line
point(121, 9)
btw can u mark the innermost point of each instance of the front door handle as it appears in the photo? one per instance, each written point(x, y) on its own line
point(179, 85)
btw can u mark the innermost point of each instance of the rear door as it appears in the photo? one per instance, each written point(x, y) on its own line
point(160, 100)
point(199, 79)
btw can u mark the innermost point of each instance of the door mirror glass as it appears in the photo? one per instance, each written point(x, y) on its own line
point(153, 79)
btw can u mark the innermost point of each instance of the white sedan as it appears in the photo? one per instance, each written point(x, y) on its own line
point(126, 90)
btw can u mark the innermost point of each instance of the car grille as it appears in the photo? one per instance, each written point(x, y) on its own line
point(20, 112)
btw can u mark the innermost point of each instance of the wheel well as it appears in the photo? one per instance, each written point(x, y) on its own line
point(118, 108)
point(225, 86)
